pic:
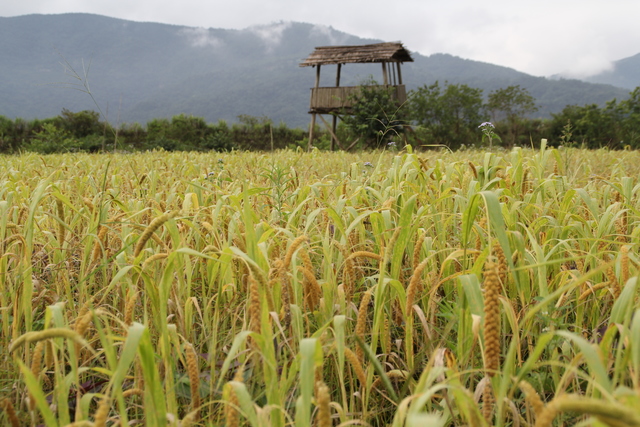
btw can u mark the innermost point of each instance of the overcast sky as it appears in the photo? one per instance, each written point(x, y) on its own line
point(540, 37)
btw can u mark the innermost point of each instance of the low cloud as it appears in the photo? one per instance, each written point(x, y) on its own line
point(587, 67)
point(271, 34)
point(335, 38)
point(201, 37)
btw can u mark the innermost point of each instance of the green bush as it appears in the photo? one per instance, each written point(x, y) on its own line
point(375, 115)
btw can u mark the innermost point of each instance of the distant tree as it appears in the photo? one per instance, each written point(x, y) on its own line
point(629, 118)
point(158, 131)
point(591, 126)
point(511, 104)
point(188, 129)
point(80, 124)
point(375, 115)
point(447, 115)
point(253, 121)
point(8, 141)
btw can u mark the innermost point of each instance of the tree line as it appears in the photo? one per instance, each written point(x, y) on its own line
point(84, 131)
point(450, 115)
point(434, 115)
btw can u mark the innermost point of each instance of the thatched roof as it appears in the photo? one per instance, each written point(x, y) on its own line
point(379, 52)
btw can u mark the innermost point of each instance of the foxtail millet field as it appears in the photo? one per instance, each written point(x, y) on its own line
point(320, 289)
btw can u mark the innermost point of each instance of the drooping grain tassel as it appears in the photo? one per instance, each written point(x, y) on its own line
point(526, 183)
point(613, 282)
point(386, 337)
point(153, 258)
point(297, 242)
point(396, 313)
point(423, 164)
point(611, 413)
point(133, 392)
point(391, 245)
point(130, 305)
point(481, 225)
point(548, 414)
point(624, 264)
point(488, 401)
point(348, 278)
point(365, 254)
point(36, 368)
point(349, 272)
point(194, 378)
point(207, 226)
point(61, 228)
point(285, 291)
point(89, 204)
point(48, 355)
point(13, 238)
point(532, 398)
point(189, 419)
point(353, 239)
point(310, 287)
point(415, 287)
point(356, 365)
point(323, 416)
point(35, 336)
point(8, 409)
point(81, 326)
point(491, 331)
point(259, 275)
point(151, 228)
point(579, 261)
point(231, 413)
point(361, 322)
point(503, 268)
point(417, 249)
point(36, 359)
point(254, 310)
point(139, 375)
point(99, 244)
point(285, 294)
point(474, 171)
point(622, 227)
point(102, 413)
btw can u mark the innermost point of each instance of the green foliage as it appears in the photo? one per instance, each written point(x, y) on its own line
point(447, 115)
point(54, 139)
point(187, 133)
point(375, 115)
point(259, 133)
point(51, 139)
point(617, 125)
point(513, 104)
point(80, 124)
point(8, 138)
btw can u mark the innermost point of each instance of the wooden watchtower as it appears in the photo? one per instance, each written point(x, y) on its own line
point(337, 99)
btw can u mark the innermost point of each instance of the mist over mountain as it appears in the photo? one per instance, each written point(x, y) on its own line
point(624, 73)
point(137, 71)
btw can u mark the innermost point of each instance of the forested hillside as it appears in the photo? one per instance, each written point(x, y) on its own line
point(137, 72)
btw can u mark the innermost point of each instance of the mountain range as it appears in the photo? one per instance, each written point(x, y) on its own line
point(624, 73)
point(138, 71)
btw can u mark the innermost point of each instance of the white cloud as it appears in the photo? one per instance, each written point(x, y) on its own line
point(335, 38)
point(201, 37)
point(540, 37)
point(271, 34)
